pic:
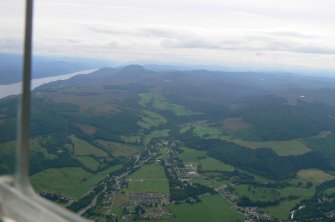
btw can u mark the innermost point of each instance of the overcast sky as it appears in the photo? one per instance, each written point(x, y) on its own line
point(297, 33)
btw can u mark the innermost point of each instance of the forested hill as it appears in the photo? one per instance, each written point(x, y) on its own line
point(248, 109)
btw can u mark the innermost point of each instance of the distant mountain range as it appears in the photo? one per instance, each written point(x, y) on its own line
point(11, 66)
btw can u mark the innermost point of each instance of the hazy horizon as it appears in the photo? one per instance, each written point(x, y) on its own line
point(276, 35)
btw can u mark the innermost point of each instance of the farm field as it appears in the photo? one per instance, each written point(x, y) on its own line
point(88, 162)
point(60, 180)
point(74, 182)
point(282, 148)
point(314, 175)
point(324, 143)
point(82, 148)
point(118, 149)
point(156, 134)
point(131, 139)
point(159, 102)
point(150, 178)
point(234, 124)
point(281, 211)
point(200, 157)
point(150, 119)
point(214, 208)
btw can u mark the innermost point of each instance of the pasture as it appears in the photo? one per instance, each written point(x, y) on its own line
point(156, 134)
point(88, 162)
point(200, 157)
point(150, 119)
point(159, 102)
point(82, 148)
point(150, 178)
point(214, 208)
point(282, 148)
point(74, 182)
point(118, 149)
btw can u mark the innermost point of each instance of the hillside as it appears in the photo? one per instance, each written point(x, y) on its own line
point(254, 135)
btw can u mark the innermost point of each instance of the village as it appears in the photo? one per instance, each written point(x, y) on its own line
point(151, 205)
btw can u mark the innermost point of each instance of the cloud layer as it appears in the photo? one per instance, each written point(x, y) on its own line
point(287, 32)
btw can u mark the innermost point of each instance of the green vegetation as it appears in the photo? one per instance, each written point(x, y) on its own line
point(214, 208)
point(282, 148)
point(156, 134)
point(131, 139)
point(60, 180)
point(151, 119)
point(291, 194)
point(74, 182)
point(88, 162)
point(159, 102)
point(325, 144)
point(82, 148)
point(191, 155)
point(287, 122)
point(314, 175)
point(118, 149)
point(264, 146)
point(263, 162)
point(150, 178)
point(87, 184)
point(206, 163)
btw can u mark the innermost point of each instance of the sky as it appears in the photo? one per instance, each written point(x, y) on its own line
point(262, 33)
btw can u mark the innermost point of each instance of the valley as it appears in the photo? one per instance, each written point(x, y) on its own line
point(130, 144)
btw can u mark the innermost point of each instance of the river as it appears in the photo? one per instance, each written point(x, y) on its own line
point(15, 88)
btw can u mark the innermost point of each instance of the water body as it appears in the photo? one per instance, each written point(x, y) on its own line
point(15, 88)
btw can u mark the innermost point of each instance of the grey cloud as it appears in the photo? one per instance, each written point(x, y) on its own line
point(187, 38)
point(255, 42)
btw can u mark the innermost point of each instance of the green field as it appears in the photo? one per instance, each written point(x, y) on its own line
point(156, 134)
point(88, 162)
point(330, 191)
point(314, 175)
point(324, 143)
point(83, 148)
point(11, 146)
point(159, 102)
point(214, 208)
point(150, 178)
point(202, 129)
point(119, 149)
point(303, 176)
point(208, 182)
point(200, 157)
point(60, 180)
point(74, 182)
point(257, 193)
point(282, 210)
point(150, 119)
point(282, 148)
point(131, 139)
